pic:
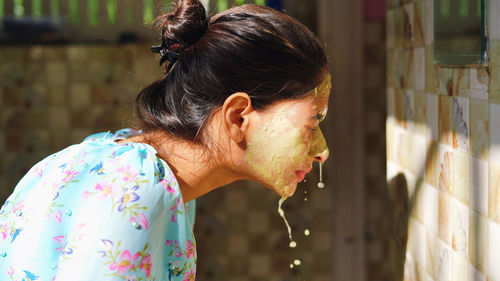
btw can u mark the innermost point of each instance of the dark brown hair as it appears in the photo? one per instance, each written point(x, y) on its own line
point(252, 49)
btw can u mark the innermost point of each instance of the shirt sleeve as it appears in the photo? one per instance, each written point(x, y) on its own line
point(98, 211)
point(111, 233)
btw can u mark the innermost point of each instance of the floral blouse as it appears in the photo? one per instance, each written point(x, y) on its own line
point(98, 210)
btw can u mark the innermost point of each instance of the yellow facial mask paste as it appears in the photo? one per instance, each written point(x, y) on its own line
point(324, 88)
point(279, 148)
point(276, 151)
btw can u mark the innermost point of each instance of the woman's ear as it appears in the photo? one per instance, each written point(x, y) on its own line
point(235, 111)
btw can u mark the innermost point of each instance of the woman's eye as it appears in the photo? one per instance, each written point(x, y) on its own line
point(314, 129)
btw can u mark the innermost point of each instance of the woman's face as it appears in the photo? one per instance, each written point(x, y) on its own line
point(288, 140)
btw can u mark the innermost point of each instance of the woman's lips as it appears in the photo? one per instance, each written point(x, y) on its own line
point(300, 175)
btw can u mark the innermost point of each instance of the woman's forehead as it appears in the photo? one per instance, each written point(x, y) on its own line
point(313, 105)
point(309, 108)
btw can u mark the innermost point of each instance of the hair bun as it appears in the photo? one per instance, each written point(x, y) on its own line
point(183, 27)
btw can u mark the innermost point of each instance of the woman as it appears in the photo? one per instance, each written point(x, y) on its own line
point(242, 98)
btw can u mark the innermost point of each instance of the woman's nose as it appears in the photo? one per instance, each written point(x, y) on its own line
point(322, 155)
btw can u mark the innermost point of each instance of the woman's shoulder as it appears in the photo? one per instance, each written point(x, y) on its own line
point(100, 166)
point(97, 197)
point(116, 136)
point(101, 156)
point(105, 148)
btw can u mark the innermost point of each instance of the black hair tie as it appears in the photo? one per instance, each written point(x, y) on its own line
point(166, 54)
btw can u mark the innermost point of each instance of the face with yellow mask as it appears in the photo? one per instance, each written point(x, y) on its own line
point(289, 140)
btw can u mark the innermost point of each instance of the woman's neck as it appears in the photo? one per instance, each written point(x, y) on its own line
point(197, 169)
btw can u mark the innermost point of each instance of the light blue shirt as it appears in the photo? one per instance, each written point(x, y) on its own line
point(98, 210)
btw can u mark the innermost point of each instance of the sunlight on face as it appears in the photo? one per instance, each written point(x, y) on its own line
point(282, 150)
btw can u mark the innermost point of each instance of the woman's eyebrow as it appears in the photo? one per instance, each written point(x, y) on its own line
point(318, 117)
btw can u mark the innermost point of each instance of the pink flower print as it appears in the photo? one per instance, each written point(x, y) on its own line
point(189, 249)
point(4, 229)
point(136, 256)
point(178, 254)
point(85, 195)
point(125, 263)
point(169, 242)
point(128, 196)
point(60, 239)
point(189, 276)
point(104, 189)
point(128, 176)
point(146, 265)
point(173, 209)
point(78, 230)
point(18, 207)
point(69, 175)
point(58, 216)
point(143, 221)
point(38, 171)
point(10, 271)
point(167, 186)
point(82, 156)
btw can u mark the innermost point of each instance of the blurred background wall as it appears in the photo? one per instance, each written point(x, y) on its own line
point(443, 145)
point(79, 74)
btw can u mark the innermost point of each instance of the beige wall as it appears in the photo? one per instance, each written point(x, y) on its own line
point(54, 96)
point(443, 140)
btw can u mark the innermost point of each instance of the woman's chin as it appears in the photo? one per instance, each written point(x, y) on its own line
point(287, 191)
